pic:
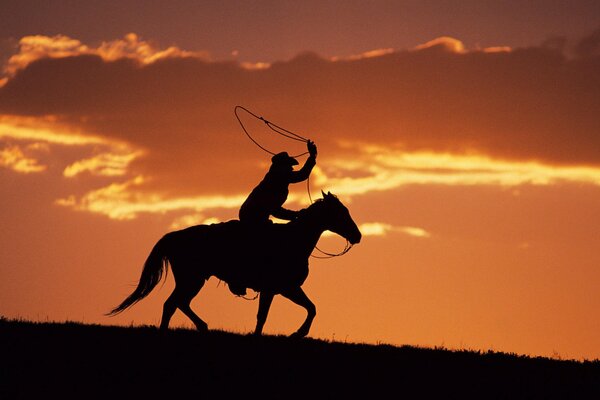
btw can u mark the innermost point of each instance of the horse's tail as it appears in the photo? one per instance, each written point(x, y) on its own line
point(156, 264)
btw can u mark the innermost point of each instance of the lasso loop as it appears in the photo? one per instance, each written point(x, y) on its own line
point(275, 128)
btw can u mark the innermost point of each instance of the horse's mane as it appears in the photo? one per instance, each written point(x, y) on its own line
point(307, 211)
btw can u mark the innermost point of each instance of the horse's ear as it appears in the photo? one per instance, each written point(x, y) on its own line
point(323, 193)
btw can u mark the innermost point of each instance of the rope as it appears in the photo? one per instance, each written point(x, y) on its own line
point(274, 127)
point(293, 136)
point(326, 255)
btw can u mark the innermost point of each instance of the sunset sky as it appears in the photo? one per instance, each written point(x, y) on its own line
point(464, 137)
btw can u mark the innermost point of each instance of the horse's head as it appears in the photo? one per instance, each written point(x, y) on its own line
point(338, 220)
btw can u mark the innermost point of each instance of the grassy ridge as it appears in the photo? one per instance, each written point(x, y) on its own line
point(73, 360)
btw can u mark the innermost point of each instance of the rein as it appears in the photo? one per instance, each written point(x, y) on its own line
point(326, 255)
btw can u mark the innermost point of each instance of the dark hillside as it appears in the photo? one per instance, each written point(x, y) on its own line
point(90, 361)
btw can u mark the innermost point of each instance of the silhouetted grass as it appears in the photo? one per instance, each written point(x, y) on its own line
point(72, 360)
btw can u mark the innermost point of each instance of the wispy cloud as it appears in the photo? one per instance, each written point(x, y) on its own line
point(12, 157)
point(367, 54)
point(46, 129)
point(446, 42)
point(383, 229)
point(105, 164)
point(35, 47)
point(372, 170)
point(127, 200)
point(381, 169)
point(193, 219)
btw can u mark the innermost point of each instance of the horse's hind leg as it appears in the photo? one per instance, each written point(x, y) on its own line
point(181, 298)
point(184, 306)
point(168, 310)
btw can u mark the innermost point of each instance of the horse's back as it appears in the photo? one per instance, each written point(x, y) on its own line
point(254, 256)
point(234, 230)
point(210, 232)
point(231, 241)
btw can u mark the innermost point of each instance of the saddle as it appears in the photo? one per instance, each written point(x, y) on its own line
point(242, 254)
point(256, 246)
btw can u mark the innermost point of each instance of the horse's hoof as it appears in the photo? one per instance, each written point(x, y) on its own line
point(202, 328)
point(297, 335)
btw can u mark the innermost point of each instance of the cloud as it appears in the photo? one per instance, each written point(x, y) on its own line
point(371, 169)
point(382, 229)
point(376, 168)
point(12, 157)
point(532, 103)
point(497, 49)
point(127, 200)
point(46, 129)
point(49, 132)
point(105, 164)
point(452, 45)
point(35, 47)
point(366, 54)
point(160, 123)
point(191, 220)
point(446, 43)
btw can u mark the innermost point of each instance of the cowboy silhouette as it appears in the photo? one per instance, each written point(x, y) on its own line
point(268, 197)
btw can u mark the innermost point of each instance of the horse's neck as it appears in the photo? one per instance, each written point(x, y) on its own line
point(309, 229)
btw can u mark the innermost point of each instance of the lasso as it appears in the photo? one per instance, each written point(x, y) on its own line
point(293, 136)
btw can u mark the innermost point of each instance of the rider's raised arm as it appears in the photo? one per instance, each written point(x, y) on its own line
point(304, 172)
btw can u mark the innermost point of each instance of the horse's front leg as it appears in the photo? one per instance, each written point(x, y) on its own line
point(264, 303)
point(298, 296)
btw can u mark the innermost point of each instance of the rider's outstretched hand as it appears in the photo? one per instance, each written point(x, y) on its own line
point(312, 148)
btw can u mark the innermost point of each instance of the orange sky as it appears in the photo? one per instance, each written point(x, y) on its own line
point(471, 163)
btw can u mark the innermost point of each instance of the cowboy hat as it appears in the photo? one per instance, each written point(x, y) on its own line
point(283, 159)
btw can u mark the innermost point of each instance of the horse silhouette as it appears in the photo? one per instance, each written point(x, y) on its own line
point(270, 259)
